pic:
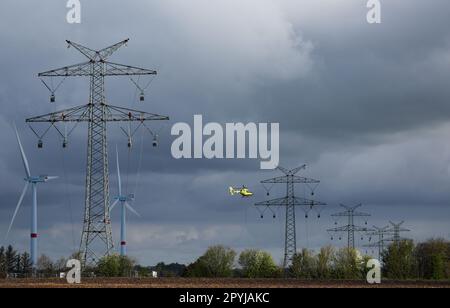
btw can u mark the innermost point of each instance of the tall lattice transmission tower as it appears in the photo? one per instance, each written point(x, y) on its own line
point(96, 240)
point(380, 235)
point(350, 213)
point(290, 202)
point(396, 229)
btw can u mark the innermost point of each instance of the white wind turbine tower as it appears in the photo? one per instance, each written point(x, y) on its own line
point(124, 202)
point(33, 181)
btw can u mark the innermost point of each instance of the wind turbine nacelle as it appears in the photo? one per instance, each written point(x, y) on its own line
point(122, 198)
point(46, 178)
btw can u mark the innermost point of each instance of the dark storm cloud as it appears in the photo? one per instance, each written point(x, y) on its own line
point(364, 105)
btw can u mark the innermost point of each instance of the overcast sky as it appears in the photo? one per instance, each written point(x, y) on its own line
point(367, 107)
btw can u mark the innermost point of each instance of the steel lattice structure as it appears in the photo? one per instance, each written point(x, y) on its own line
point(380, 234)
point(395, 230)
point(290, 202)
point(96, 240)
point(350, 228)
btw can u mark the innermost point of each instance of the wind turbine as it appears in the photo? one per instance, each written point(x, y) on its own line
point(33, 181)
point(124, 202)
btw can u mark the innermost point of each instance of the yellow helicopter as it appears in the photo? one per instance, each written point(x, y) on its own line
point(244, 191)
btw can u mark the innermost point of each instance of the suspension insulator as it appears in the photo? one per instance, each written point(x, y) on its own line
point(274, 216)
point(262, 216)
point(40, 144)
point(52, 98)
point(64, 144)
point(155, 142)
point(142, 97)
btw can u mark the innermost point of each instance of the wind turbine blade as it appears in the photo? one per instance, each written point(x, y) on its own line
point(24, 157)
point(119, 179)
point(50, 178)
point(17, 208)
point(113, 205)
point(132, 210)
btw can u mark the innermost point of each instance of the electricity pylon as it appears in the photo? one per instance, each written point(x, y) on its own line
point(396, 229)
point(96, 240)
point(350, 228)
point(290, 202)
point(380, 234)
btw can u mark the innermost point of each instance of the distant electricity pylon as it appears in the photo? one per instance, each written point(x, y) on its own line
point(350, 228)
point(290, 202)
point(96, 241)
point(380, 234)
point(395, 230)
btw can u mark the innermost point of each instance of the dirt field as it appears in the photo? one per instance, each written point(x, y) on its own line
point(211, 283)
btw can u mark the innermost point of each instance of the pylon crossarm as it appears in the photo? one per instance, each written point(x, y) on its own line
point(273, 202)
point(296, 170)
point(362, 229)
point(108, 51)
point(76, 70)
point(284, 201)
point(361, 214)
point(115, 69)
point(303, 201)
point(87, 52)
point(341, 214)
point(114, 114)
point(75, 114)
point(339, 229)
point(120, 114)
point(290, 179)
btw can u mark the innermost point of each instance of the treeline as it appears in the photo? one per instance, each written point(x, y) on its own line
point(13, 262)
point(16, 264)
point(403, 260)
